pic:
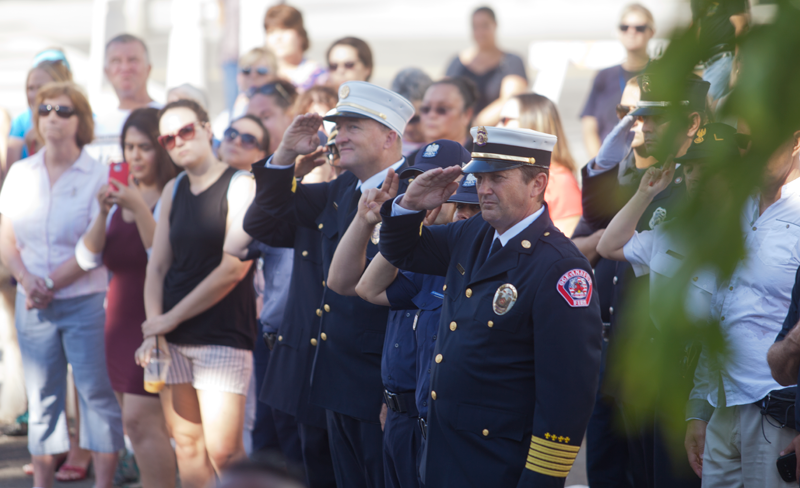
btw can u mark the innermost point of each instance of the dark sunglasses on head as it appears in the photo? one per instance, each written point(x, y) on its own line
point(639, 28)
point(347, 65)
point(260, 70)
point(268, 89)
point(623, 110)
point(425, 110)
point(249, 141)
point(186, 133)
point(63, 112)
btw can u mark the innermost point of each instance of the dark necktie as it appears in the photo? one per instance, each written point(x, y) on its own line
point(496, 246)
point(354, 200)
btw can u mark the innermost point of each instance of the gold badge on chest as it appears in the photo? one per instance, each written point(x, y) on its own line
point(376, 234)
point(504, 298)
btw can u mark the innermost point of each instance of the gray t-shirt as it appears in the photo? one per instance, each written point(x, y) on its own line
point(488, 83)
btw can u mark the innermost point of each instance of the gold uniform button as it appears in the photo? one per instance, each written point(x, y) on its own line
point(319, 313)
point(545, 234)
point(280, 338)
point(313, 342)
point(323, 283)
point(731, 288)
point(490, 324)
point(469, 292)
point(433, 394)
point(694, 279)
point(324, 336)
point(485, 432)
point(526, 244)
point(439, 358)
point(319, 226)
point(722, 318)
point(444, 288)
point(327, 307)
point(453, 326)
point(305, 253)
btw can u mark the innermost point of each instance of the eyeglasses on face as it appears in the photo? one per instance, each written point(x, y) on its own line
point(639, 28)
point(186, 133)
point(248, 141)
point(261, 70)
point(62, 111)
point(440, 110)
point(268, 89)
point(347, 66)
point(623, 110)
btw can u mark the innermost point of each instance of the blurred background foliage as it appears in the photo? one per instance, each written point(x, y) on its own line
point(646, 373)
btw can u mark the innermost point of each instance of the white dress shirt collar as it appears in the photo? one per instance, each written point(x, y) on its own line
point(517, 228)
point(375, 180)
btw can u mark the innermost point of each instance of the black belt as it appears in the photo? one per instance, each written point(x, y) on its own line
point(423, 426)
point(402, 402)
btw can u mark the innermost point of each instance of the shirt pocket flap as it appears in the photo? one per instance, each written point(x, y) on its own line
point(372, 342)
point(430, 301)
point(288, 335)
point(665, 265)
point(705, 281)
point(491, 422)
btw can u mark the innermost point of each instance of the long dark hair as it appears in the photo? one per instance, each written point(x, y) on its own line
point(145, 120)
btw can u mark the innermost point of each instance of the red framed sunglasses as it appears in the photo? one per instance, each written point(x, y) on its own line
point(186, 133)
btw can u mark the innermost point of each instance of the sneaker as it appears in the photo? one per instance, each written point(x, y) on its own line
point(127, 471)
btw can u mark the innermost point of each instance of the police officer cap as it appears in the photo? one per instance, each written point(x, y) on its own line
point(437, 154)
point(500, 149)
point(362, 100)
point(655, 99)
point(713, 140)
point(467, 191)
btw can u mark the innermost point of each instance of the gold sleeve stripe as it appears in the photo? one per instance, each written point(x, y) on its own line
point(545, 471)
point(555, 459)
point(552, 452)
point(294, 184)
point(554, 445)
point(553, 466)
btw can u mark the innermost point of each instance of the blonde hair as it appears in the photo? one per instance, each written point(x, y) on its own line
point(258, 53)
point(80, 104)
point(540, 114)
point(640, 9)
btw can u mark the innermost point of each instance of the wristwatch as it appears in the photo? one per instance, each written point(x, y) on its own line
point(48, 282)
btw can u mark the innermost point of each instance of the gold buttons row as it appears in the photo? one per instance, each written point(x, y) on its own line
point(439, 358)
point(323, 336)
point(468, 292)
point(453, 326)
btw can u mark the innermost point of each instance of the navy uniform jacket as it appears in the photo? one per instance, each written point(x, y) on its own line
point(792, 317)
point(423, 292)
point(346, 376)
point(512, 393)
point(287, 382)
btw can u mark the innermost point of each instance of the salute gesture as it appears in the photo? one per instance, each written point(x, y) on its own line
point(431, 189)
point(299, 139)
point(369, 206)
point(655, 180)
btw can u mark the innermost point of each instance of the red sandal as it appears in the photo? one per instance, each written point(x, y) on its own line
point(68, 473)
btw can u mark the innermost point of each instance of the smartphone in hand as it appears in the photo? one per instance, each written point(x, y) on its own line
point(787, 466)
point(119, 172)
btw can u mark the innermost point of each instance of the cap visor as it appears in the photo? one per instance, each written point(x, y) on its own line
point(644, 111)
point(411, 172)
point(469, 198)
point(488, 166)
point(346, 113)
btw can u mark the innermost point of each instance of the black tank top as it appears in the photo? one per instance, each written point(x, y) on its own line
point(197, 234)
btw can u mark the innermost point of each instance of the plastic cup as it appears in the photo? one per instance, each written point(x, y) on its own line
point(155, 374)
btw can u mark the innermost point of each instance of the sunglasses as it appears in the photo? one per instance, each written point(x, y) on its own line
point(348, 65)
point(186, 133)
point(248, 141)
point(639, 28)
point(63, 112)
point(425, 110)
point(261, 70)
point(623, 110)
point(269, 89)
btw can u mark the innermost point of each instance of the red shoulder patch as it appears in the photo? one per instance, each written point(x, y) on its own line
point(576, 287)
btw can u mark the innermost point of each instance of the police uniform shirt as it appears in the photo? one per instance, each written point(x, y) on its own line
point(517, 358)
point(398, 361)
point(425, 293)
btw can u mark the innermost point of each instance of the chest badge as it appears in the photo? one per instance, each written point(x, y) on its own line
point(576, 287)
point(504, 298)
point(375, 238)
point(659, 215)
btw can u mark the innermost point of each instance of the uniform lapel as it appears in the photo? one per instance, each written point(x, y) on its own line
point(508, 257)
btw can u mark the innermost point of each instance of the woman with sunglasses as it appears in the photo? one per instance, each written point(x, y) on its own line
point(349, 59)
point(272, 104)
point(200, 299)
point(287, 38)
point(562, 195)
point(119, 239)
point(244, 143)
point(447, 110)
point(636, 28)
point(47, 203)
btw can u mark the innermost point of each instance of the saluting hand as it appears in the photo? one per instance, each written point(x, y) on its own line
point(655, 180)
point(431, 189)
point(300, 138)
point(369, 206)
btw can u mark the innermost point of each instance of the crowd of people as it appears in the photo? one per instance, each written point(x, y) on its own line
point(334, 283)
